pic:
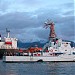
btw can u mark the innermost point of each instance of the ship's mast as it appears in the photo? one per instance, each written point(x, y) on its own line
point(52, 34)
point(0, 37)
point(8, 33)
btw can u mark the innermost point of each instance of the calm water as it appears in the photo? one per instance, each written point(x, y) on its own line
point(44, 68)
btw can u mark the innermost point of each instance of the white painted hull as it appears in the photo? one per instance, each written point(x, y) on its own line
point(37, 58)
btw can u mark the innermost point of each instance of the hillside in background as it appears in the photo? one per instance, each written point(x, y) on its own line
point(30, 44)
point(38, 43)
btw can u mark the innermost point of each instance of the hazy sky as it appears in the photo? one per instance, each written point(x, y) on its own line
point(25, 18)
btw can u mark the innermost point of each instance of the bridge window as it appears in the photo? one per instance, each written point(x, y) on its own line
point(55, 50)
point(65, 50)
point(66, 43)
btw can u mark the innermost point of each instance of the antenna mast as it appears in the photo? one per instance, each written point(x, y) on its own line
point(50, 24)
point(8, 33)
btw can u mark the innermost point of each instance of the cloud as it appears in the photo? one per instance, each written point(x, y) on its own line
point(26, 18)
point(18, 20)
point(7, 6)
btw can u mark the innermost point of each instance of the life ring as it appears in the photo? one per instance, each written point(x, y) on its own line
point(51, 50)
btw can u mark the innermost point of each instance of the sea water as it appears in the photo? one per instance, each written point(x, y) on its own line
point(38, 68)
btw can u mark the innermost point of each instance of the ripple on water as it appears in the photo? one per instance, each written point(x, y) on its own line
point(44, 68)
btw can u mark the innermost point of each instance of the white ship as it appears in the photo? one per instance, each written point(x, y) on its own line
point(55, 50)
point(7, 43)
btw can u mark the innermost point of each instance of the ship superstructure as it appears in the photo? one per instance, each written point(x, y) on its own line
point(8, 42)
point(55, 44)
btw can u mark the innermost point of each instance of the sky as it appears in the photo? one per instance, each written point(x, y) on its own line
point(25, 18)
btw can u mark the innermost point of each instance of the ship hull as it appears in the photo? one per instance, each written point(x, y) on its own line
point(61, 58)
point(6, 50)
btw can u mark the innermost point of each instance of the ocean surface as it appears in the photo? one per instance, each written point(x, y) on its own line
point(38, 68)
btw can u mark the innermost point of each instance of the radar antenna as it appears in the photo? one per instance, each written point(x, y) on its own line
point(50, 24)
